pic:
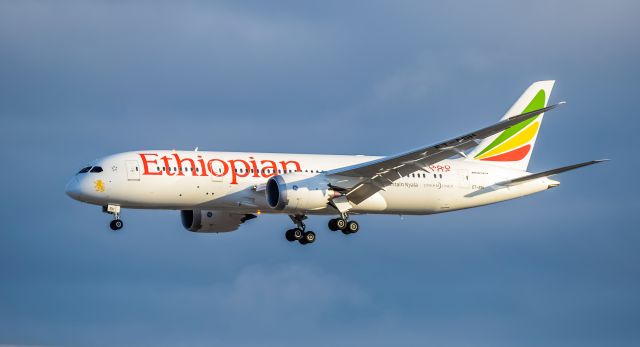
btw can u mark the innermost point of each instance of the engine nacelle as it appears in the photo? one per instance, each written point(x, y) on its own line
point(204, 221)
point(298, 192)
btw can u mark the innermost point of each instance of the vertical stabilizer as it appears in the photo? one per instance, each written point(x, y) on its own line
point(513, 147)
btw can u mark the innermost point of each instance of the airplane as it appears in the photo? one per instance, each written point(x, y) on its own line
point(218, 191)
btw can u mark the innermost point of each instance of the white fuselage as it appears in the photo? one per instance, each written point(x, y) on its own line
point(182, 180)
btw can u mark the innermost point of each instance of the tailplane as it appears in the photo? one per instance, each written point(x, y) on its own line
point(548, 173)
point(512, 148)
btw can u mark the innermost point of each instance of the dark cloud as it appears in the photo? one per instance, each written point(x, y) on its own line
point(79, 80)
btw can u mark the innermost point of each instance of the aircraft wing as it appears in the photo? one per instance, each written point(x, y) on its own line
point(364, 180)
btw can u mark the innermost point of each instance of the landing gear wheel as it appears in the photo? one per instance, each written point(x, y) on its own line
point(116, 224)
point(309, 237)
point(297, 234)
point(333, 225)
point(294, 235)
point(289, 235)
point(352, 227)
point(341, 223)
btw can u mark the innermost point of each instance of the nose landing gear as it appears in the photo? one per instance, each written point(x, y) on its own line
point(116, 223)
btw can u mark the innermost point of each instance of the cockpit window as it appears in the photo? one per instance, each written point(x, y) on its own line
point(86, 169)
point(96, 169)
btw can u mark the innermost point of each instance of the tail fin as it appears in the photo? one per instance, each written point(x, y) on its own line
point(513, 147)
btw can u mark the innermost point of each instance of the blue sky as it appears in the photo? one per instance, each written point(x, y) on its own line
point(83, 79)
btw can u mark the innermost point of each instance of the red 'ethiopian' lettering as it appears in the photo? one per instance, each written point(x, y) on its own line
point(237, 168)
point(146, 162)
point(285, 163)
point(213, 171)
point(254, 167)
point(235, 172)
point(269, 170)
point(180, 161)
point(166, 159)
point(202, 167)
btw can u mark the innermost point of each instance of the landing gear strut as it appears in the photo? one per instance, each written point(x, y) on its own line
point(116, 223)
point(299, 233)
point(342, 223)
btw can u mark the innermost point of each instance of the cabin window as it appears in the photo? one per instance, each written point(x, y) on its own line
point(84, 169)
point(96, 169)
point(440, 175)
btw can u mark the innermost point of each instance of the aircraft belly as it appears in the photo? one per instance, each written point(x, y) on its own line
point(176, 193)
point(410, 198)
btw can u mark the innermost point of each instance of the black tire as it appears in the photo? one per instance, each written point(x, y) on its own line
point(309, 237)
point(341, 224)
point(298, 234)
point(352, 227)
point(289, 235)
point(332, 225)
point(116, 224)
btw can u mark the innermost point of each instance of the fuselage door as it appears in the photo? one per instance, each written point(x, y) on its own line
point(463, 179)
point(133, 170)
point(218, 169)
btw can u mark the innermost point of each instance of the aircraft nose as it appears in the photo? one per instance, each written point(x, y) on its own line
point(73, 188)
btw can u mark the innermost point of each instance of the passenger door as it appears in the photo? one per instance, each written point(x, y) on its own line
point(463, 179)
point(133, 170)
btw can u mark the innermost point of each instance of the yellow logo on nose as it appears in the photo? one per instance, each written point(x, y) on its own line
point(99, 186)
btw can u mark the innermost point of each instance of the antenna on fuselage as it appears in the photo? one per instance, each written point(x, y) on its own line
point(195, 150)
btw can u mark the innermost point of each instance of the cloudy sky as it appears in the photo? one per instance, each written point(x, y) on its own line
point(83, 79)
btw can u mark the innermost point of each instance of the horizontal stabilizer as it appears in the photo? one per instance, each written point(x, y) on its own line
point(549, 173)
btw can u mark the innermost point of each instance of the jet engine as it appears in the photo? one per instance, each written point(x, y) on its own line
point(206, 221)
point(296, 192)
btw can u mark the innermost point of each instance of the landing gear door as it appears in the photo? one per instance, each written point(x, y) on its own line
point(133, 170)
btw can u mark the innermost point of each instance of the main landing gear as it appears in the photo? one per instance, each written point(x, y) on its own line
point(116, 223)
point(304, 237)
point(299, 233)
point(344, 225)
